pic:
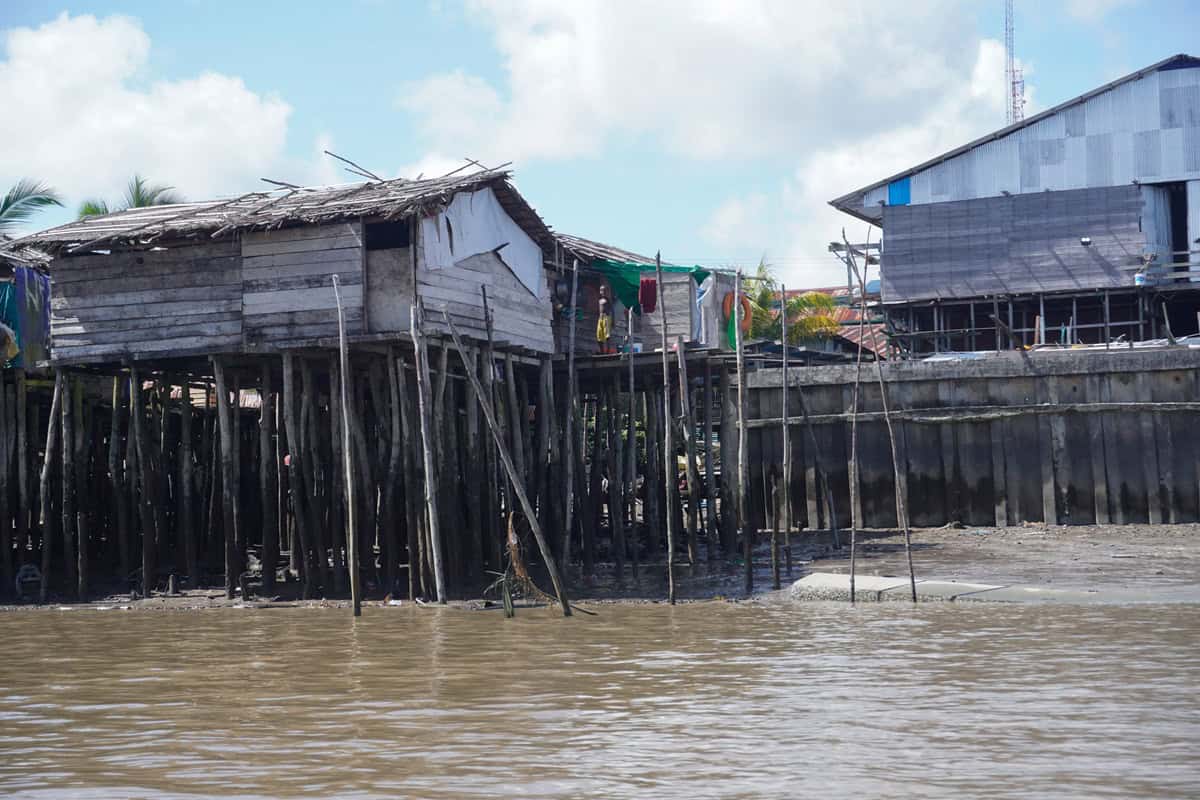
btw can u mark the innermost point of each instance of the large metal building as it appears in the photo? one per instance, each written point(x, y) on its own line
point(1079, 224)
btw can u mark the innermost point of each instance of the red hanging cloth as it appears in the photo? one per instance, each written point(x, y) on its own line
point(648, 294)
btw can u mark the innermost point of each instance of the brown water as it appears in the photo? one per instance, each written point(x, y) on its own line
point(697, 701)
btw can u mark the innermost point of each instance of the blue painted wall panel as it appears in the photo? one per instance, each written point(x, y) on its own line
point(900, 192)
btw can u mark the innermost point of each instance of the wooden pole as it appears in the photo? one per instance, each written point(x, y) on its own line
point(787, 441)
point(347, 453)
point(186, 524)
point(7, 436)
point(428, 447)
point(228, 487)
point(296, 480)
point(569, 437)
point(82, 473)
point(516, 414)
point(46, 523)
point(23, 510)
point(710, 484)
point(670, 471)
point(689, 440)
point(775, 514)
point(743, 525)
point(146, 479)
point(630, 481)
point(510, 468)
point(267, 478)
point(616, 511)
point(68, 479)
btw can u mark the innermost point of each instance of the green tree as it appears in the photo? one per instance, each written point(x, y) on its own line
point(24, 199)
point(809, 315)
point(139, 193)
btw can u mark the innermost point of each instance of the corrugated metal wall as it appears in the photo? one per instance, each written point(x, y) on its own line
point(1146, 130)
point(1010, 245)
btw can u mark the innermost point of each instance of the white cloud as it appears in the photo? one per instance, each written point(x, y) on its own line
point(838, 94)
point(1095, 10)
point(80, 115)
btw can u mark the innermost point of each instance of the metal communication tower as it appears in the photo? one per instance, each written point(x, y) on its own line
point(1014, 82)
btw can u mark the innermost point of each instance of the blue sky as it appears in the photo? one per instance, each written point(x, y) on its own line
point(714, 131)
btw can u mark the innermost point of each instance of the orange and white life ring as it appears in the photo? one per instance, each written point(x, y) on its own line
point(727, 310)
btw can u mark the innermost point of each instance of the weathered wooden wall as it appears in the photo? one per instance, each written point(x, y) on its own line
point(1019, 244)
point(679, 293)
point(390, 289)
point(178, 300)
point(287, 292)
point(520, 318)
point(1008, 439)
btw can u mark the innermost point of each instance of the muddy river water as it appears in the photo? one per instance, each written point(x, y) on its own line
point(702, 700)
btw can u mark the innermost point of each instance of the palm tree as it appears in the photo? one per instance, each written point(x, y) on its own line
point(809, 315)
point(23, 200)
point(138, 194)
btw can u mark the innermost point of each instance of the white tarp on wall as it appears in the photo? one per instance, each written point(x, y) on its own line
point(475, 223)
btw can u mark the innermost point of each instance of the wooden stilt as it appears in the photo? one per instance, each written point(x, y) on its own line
point(786, 434)
point(516, 412)
point(408, 427)
point(229, 492)
point(775, 514)
point(616, 503)
point(23, 510)
point(743, 524)
point(728, 466)
point(669, 471)
point(82, 499)
point(68, 480)
point(652, 493)
point(572, 410)
point(518, 485)
point(689, 440)
point(46, 521)
point(710, 483)
point(146, 481)
point(428, 447)
point(348, 455)
point(267, 477)
point(187, 523)
point(296, 479)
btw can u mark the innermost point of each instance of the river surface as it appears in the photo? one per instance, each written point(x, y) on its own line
point(703, 700)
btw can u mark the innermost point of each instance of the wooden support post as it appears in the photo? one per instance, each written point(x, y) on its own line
point(348, 455)
point(229, 492)
point(630, 482)
point(7, 440)
point(46, 522)
point(186, 524)
point(743, 523)
point(517, 418)
point(146, 481)
point(786, 432)
point(710, 483)
point(82, 501)
point(391, 486)
point(653, 494)
point(541, 460)
point(296, 477)
point(408, 427)
point(572, 410)
point(499, 485)
point(689, 439)
point(475, 479)
point(510, 468)
point(728, 466)
point(669, 471)
point(428, 447)
point(70, 389)
point(268, 477)
point(23, 510)
point(775, 514)
point(616, 511)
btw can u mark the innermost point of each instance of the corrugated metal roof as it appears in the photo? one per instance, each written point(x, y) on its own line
point(1085, 141)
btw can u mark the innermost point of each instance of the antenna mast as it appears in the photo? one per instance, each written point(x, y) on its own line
point(1014, 81)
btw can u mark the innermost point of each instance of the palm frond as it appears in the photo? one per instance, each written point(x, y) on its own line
point(140, 193)
point(25, 199)
point(93, 208)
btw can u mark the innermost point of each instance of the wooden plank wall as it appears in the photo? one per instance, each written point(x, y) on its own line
point(287, 287)
point(1012, 245)
point(1072, 467)
point(679, 293)
point(147, 302)
point(520, 319)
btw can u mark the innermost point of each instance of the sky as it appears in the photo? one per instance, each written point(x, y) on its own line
point(715, 131)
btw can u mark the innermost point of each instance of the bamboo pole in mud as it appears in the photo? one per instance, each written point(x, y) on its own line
point(689, 440)
point(569, 436)
point(137, 416)
point(742, 523)
point(517, 483)
point(267, 477)
point(427, 449)
point(348, 455)
point(669, 472)
point(46, 522)
point(228, 485)
point(787, 441)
